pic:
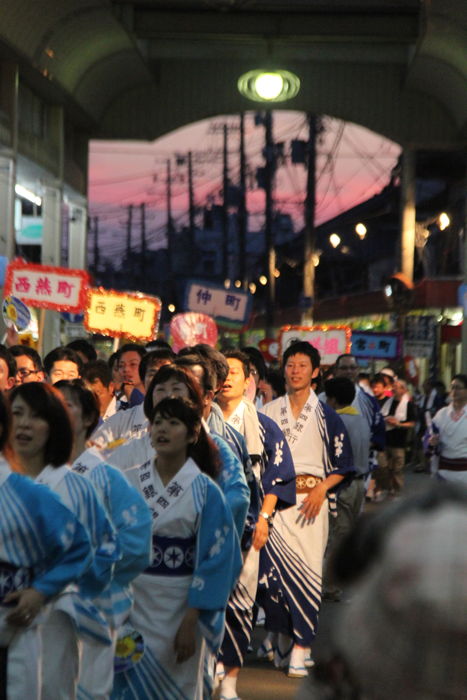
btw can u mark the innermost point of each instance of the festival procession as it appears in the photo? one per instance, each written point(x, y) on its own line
point(174, 509)
point(233, 350)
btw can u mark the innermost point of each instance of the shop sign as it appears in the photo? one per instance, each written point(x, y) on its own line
point(462, 298)
point(47, 287)
point(330, 341)
point(419, 335)
point(376, 346)
point(225, 305)
point(122, 314)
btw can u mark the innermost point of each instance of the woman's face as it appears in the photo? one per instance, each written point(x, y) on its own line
point(30, 431)
point(458, 391)
point(169, 435)
point(172, 388)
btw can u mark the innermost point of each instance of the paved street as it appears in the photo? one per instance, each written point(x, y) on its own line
point(259, 680)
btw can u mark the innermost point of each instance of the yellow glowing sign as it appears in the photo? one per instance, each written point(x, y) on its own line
point(120, 314)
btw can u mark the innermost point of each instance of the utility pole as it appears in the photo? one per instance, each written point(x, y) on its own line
point(242, 214)
point(225, 213)
point(96, 244)
point(128, 231)
point(169, 219)
point(191, 204)
point(143, 243)
point(268, 224)
point(408, 214)
point(309, 232)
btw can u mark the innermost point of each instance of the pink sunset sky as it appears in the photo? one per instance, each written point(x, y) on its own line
point(353, 164)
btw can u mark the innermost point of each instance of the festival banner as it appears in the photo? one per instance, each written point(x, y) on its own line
point(227, 306)
point(122, 314)
point(376, 346)
point(47, 287)
point(330, 341)
point(192, 328)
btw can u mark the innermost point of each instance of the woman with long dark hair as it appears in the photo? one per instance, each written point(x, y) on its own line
point(132, 521)
point(43, 548)
point(42, 441)
point(180, 599)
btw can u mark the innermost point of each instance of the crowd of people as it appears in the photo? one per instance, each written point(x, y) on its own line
point(154, 503)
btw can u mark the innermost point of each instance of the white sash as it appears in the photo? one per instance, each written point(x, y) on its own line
point(87, 461)
point(294, 432)
point(161, 499)
point(52, 476)
point(5, 471)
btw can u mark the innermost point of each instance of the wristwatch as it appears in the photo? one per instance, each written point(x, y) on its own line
point(266, 516)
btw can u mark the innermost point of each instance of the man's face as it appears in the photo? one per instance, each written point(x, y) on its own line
point(378, 389)
point(128, 366)
point(26, 372)
point(348, 368)
point(234, 385)
point(152, 369)
point(299, 372)
point(63, 369)
point(104, 393)
point(6, 382)
point(399, 390)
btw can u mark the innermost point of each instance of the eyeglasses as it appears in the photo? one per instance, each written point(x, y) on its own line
point(24, 373)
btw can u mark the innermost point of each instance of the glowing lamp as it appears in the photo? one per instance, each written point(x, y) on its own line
point(334, 240)
point(268, 86)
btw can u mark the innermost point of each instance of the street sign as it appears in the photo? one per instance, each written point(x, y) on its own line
point(376, 346)
point(226, 306)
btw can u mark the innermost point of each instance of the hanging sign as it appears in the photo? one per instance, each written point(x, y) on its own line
point(15, 313)
point(192, 328)
point(376, 346)
point(269, 348)
point(227, 306)
point(47, 287)
point(118, 314)
point(330, 341)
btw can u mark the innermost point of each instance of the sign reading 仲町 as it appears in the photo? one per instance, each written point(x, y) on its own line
point(46, 287)
point(118, 314)
point(229, 305)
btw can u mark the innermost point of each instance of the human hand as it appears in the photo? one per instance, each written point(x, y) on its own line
point(29, 603)
point(185, 639)
point(311, 506)
point(261, 533)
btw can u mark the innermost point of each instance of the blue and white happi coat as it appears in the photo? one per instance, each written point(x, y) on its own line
point(42, 543)
point(291, 561)
point(275, 475)
point(132, 522)
point(196, 560)
point(80, 496)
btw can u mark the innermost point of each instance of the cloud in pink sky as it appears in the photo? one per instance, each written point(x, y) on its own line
point(353, 164)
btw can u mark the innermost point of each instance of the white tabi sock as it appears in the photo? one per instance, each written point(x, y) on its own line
point(229, 687)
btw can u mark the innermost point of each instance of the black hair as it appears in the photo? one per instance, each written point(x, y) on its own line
point(131, 347)
point(192, 360)
point(203, 451)
point(152, 357)
point(275, 378)
point(20, 350)
point(241, 357)
point(156, 344)
point(340, 388)
point(461, 378)
point(86, 399)
point(5, 422)
point(303, 348)
point(163, 375)
point(256, 359)
point(84, 347)
point(48, 404)
point(344, 354)
point(215, 358)
point(378, 379)
point(59, 354)
point(98, 369)
point(9, 360)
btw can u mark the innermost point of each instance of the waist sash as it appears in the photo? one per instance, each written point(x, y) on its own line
point(12, 578)
point(453, 465)
point(172, 556)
